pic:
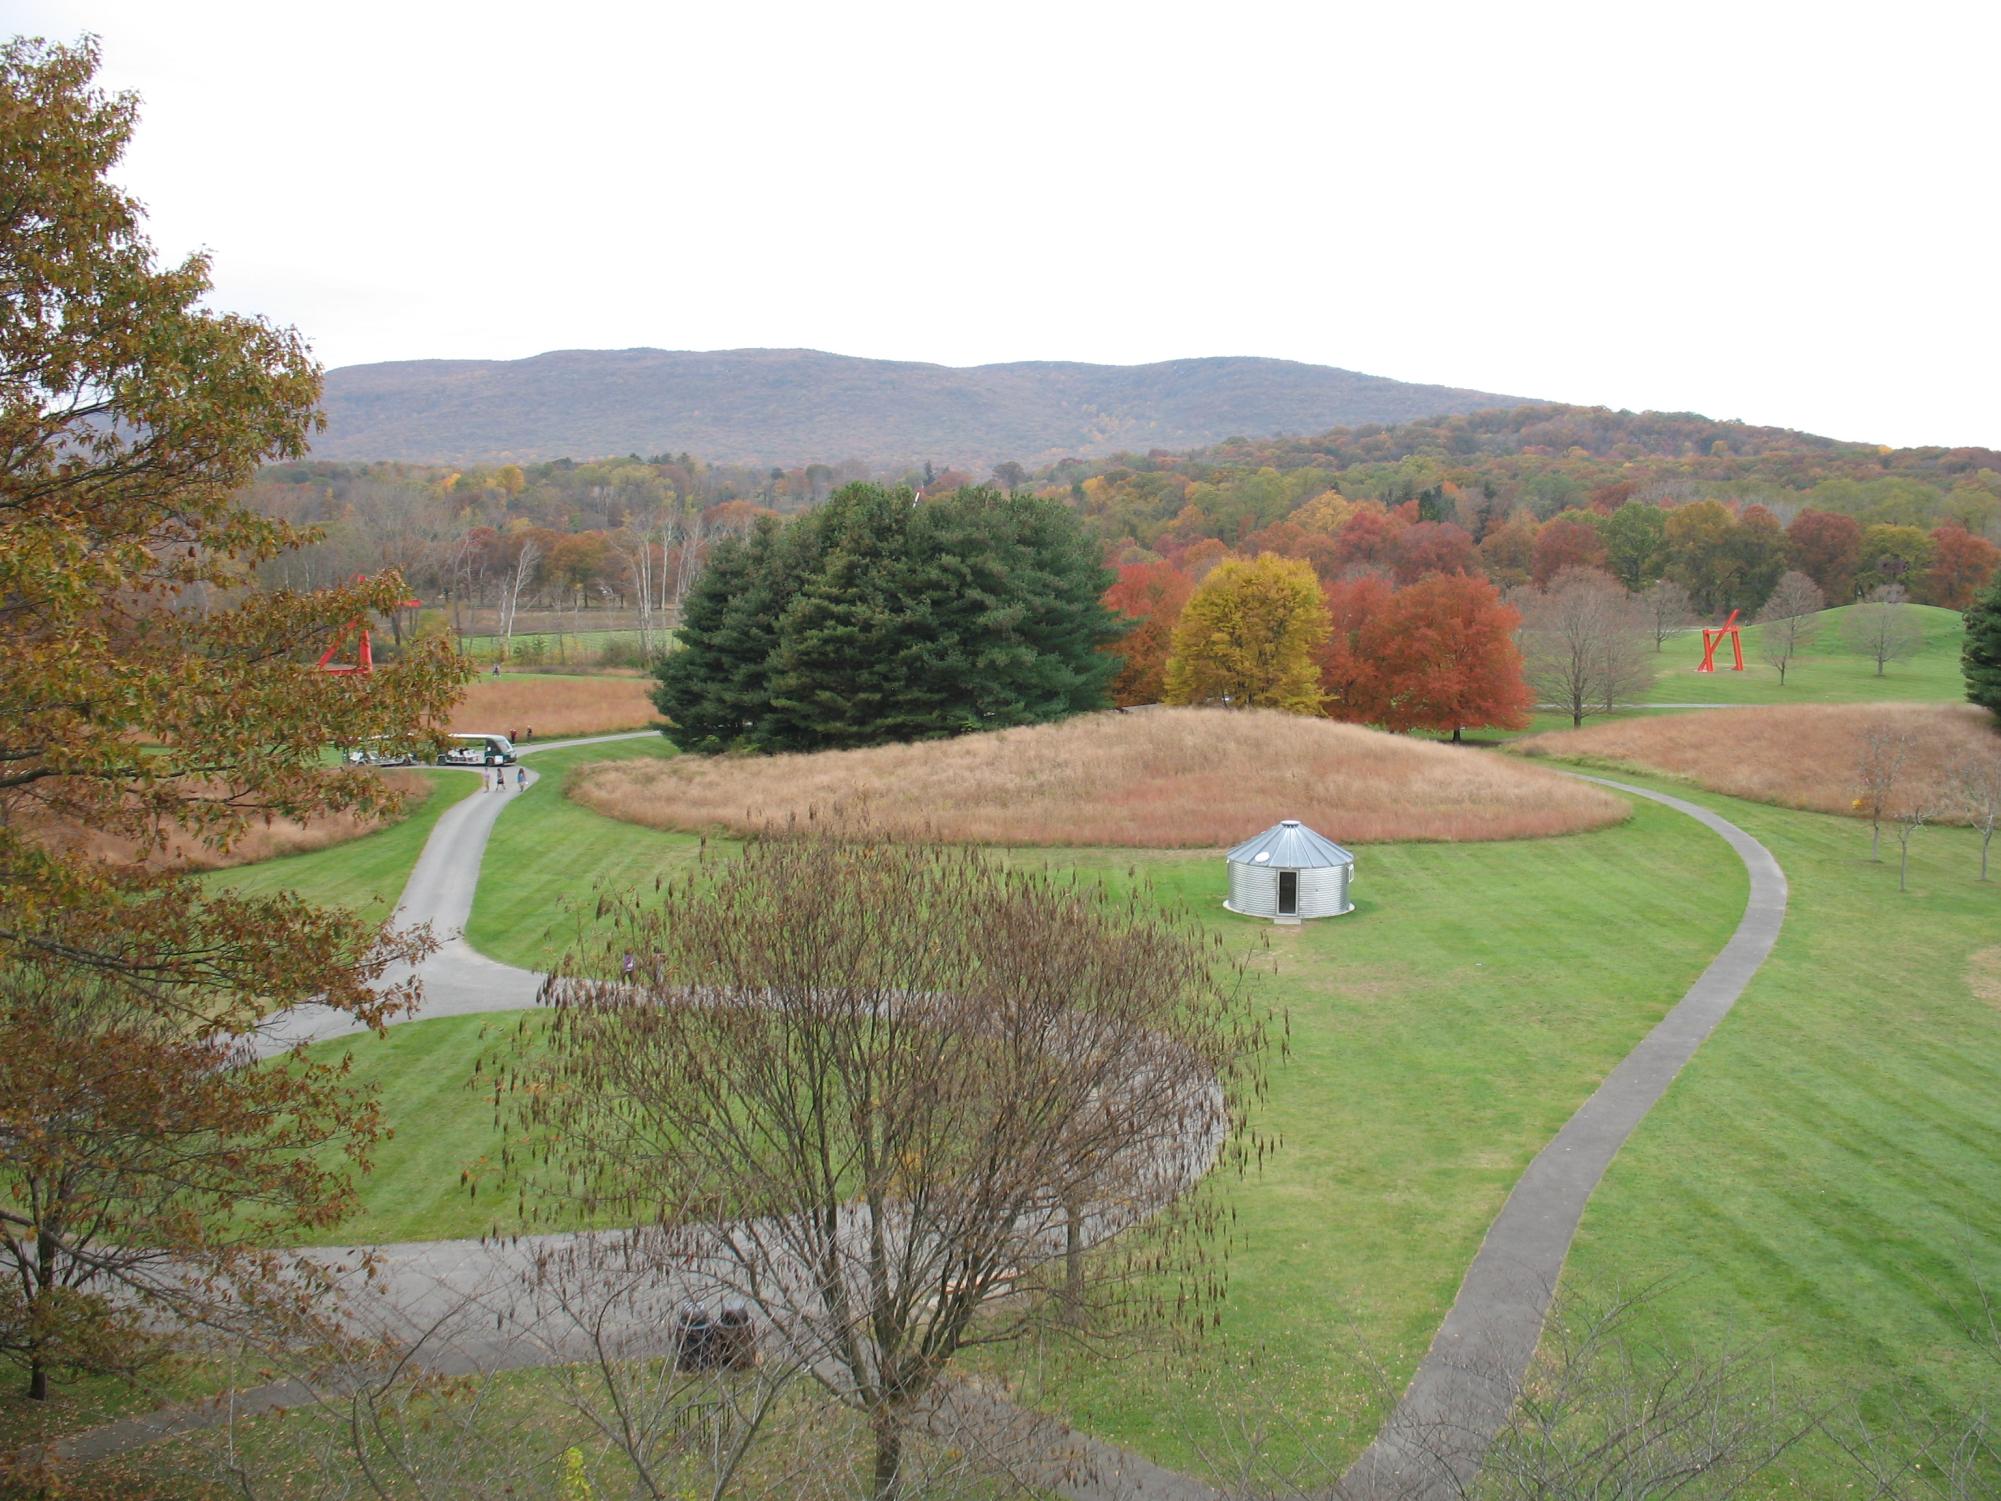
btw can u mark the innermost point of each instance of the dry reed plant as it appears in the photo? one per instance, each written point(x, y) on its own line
point(265, 839)
point(1164, 779)
point(1796, 755)
point(555, 707)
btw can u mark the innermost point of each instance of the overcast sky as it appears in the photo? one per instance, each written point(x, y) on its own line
point(1783, 214)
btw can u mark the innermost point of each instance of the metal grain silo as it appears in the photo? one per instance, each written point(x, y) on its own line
point(1289, 873)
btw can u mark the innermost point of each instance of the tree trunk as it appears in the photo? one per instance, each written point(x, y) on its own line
point(1903, 862)
point(888, 1457)
point(1876, 842)
point(1073, 1264)
point(1458, 732)
point(45, 1279)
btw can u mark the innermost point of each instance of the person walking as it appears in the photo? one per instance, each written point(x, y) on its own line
point(520, 779)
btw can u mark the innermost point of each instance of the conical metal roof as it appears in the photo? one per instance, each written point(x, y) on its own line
point(1290, 845)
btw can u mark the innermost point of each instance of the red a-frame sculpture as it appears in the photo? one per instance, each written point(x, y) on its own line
point(1712, 637)
point(364, 655)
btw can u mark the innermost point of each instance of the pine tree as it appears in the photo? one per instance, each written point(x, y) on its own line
point(1981, 656)
point(876, 618)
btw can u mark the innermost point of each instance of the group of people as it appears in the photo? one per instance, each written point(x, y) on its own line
point(499, 782)
point(521, 737)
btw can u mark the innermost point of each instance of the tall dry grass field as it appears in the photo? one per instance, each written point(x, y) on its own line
point(265, 840)
point(1799, 756)
point(1165, 779)
point(555, 706)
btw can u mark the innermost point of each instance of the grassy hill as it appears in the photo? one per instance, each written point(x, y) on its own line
point(797, 406)
point(1830, 673)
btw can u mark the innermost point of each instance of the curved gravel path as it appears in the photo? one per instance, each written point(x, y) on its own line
point(1434, 1441)
point(1431, 1446)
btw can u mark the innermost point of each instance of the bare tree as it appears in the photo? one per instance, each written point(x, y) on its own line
point(1584, 644)
point(1790, 621)
point(1886, 746)
point(688, 559)
point(1978, 783)
point(1912, 813)
point(1884, 629)
point(1667, 609)
point(512, 584)
point(890, 1091)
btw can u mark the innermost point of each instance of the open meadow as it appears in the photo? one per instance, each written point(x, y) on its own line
point(1801, 756)
point(555, 706)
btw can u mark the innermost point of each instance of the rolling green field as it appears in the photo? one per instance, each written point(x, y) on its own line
point(1472, 1001)
point(1822, 1182)
point(1828, 673)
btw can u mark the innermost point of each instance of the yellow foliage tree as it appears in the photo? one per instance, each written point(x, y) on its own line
point(1324, 513)
point(1247, 637)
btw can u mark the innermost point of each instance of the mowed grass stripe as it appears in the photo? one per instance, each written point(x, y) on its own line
point(548, 858)
point(1823, 1178)
point(1440, 1036)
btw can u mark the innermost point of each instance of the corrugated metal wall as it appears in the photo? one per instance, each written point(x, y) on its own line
point(1322, 893)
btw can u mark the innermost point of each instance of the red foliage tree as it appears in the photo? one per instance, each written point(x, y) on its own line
point(1825, 547)
point(1367, 539)
point(1433, 547)
point(1151, 596)
point(1439, 655)
point(1961, 566)
point(1565, 544)
point(1288, 539)
point(1348, 672)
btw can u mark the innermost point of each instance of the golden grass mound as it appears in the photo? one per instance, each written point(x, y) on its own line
point(1799, 756)
point(555, 707)
point(1162, 778)
point(265, 839)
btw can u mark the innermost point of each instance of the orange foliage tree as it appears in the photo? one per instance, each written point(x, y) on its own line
point(1960, 568)
point(1439, 655)
point(1150, 595)
point(1565, 542)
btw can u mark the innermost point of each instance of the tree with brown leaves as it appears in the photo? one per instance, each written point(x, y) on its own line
point(149, 692)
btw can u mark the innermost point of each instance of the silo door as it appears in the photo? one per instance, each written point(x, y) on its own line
point(1288, 893)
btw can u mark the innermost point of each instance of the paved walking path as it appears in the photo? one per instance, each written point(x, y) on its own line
point(1430, 1447)
point(1434, 1441)
point(458, 980)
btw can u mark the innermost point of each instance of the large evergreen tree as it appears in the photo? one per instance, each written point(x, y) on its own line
point(1981, 656)
point(876, 618)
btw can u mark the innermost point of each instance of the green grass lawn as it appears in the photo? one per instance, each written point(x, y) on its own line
point(1439, 1035)
point(1828, 674)
point(560, 647)
point(547, 857)
point(365, 873)
point(1823, 1179)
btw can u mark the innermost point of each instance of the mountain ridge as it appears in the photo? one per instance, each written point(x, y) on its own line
point(796, 406)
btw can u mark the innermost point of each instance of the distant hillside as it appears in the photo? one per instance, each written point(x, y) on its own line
point(798, 406)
